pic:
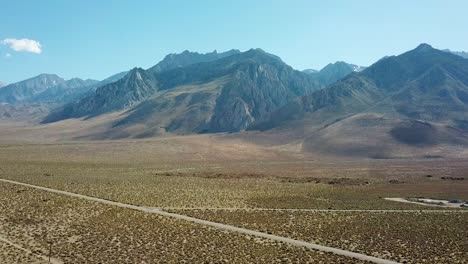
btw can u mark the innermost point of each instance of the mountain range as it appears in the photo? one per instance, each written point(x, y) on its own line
point(459, 53)
point(413, 102)
point(50, 88)
point(424, 84)
point(218, 92)
point(174, 60)
point(334, 71)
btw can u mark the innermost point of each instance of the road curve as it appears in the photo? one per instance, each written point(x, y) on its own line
point(158, 211)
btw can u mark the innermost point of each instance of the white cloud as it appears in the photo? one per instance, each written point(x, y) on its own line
point(8, 55)
point(28, 45)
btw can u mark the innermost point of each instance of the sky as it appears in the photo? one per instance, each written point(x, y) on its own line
point(96, 39)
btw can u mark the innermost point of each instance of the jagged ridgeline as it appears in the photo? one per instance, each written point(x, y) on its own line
point(50, 89)
point(194, 93)
point(418, 99)
point(398, 106)
point(424, 84)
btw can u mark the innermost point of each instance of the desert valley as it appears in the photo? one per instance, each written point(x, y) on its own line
point(242, 139)
point(237, 157)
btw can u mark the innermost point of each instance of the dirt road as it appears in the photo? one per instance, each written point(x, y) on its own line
point(158, 211)
point(27, 251)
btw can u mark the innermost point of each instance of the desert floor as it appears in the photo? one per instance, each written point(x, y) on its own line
point(225, 180)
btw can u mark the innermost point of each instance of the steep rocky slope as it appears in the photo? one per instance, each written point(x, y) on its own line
point(243, 88)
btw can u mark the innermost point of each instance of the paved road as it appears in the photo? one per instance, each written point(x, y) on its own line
point(215, 225)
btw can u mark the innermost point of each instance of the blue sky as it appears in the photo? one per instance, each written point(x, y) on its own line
point(95, 39)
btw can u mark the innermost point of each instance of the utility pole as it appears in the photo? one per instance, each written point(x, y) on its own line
point(50, 250)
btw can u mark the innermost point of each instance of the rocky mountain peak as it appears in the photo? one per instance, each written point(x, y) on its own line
point(424, 47)
point(174, 61)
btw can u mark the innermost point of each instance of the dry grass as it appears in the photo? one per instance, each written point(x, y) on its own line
point(410, 237)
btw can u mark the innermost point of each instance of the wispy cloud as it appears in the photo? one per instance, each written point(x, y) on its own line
point(8, 55)
point(27, 45)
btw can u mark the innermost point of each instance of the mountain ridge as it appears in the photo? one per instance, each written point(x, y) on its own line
point(463, 54)
point(380, 82)
point(174, 60)
point(415, 102)
point(333, 72)
point(422, 85)
point(249, 72)
point(23, 90)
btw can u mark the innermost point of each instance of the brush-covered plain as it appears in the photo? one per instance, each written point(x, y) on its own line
point(187, 173)
point(89, 232)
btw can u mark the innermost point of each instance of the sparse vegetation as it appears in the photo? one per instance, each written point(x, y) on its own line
point(145, 185)
point(143, 176)
point(87, 232)
point(138, 173)
point(233, 156)
point(10, 254)
point(406, 237)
